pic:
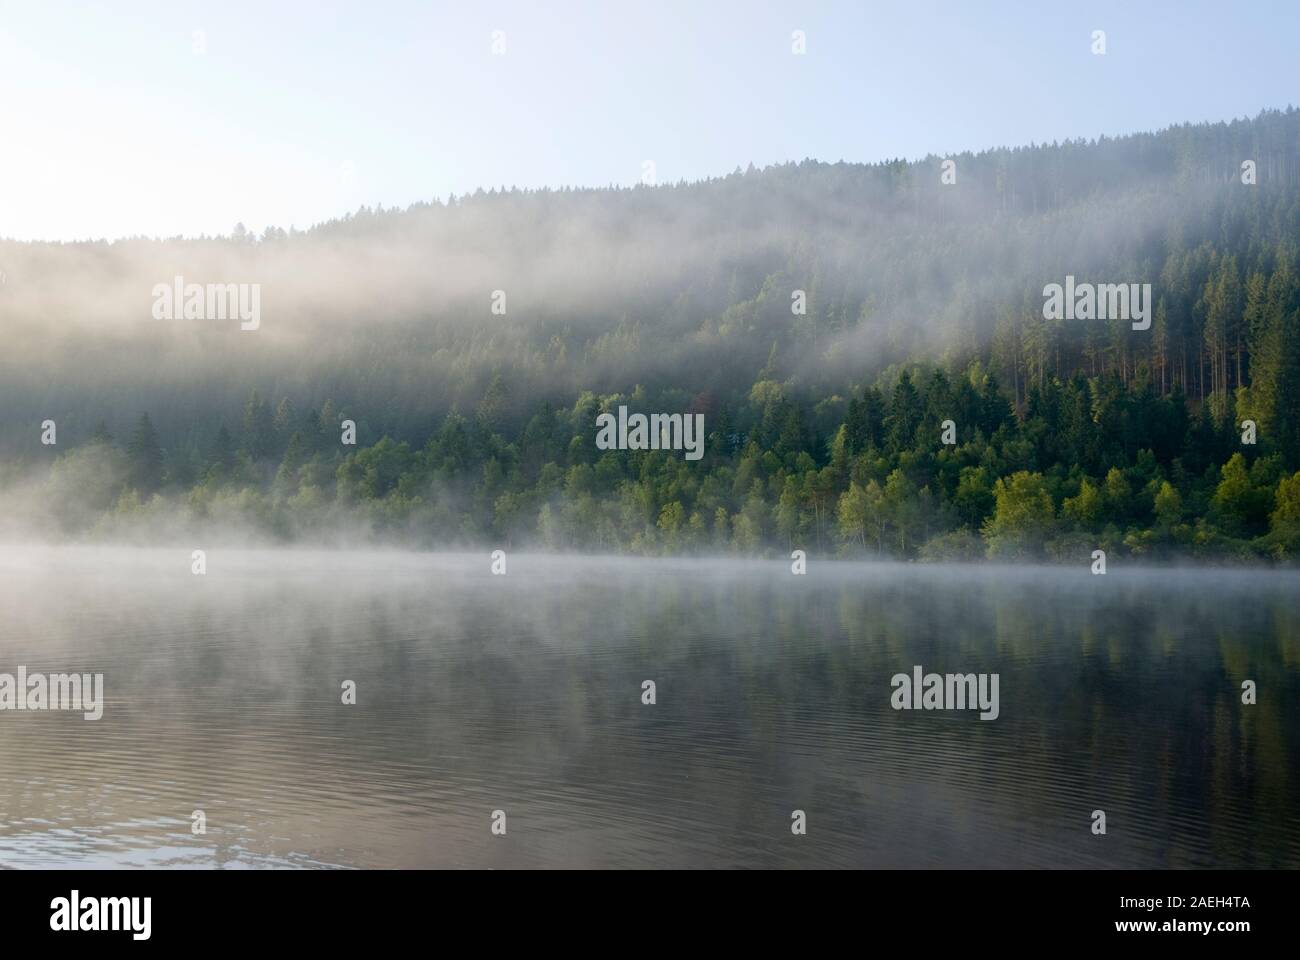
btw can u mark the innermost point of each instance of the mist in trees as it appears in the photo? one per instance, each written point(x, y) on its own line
point(921, 304)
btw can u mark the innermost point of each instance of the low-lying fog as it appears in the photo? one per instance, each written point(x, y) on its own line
point(526, 693)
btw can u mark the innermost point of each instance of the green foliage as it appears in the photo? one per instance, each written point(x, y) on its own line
point(823, 429)
point(145, 457)
point(1023, 517)
point(846, 480)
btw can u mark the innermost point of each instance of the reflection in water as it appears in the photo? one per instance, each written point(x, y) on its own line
point(523, 693)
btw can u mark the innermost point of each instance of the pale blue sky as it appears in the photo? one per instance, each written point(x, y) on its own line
point(111, 124)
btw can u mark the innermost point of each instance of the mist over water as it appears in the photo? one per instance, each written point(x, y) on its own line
point(523, 693)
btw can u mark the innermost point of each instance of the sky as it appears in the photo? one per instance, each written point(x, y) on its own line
point(162, 118)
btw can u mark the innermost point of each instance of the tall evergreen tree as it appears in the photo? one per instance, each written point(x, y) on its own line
point(145, 457)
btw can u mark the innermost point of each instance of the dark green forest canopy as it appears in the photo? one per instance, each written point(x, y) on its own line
point(924, 304)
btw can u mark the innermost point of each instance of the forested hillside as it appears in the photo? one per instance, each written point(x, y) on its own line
point(924, 303)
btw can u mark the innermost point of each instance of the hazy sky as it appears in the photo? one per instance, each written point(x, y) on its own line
point(112, 124)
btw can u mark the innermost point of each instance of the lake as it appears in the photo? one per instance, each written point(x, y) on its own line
point(523, 694)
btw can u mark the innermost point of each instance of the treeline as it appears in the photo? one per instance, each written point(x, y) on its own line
point(1093, 462)
point(825, 318)
point(682, 287)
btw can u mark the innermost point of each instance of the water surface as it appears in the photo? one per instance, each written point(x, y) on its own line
point(523, 693)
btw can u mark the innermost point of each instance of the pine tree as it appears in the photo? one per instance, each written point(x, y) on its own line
point(259, 429)
point(904, 414)
point(221, 458)
point(145, 457)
